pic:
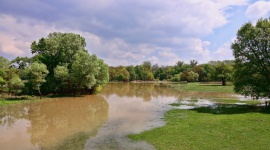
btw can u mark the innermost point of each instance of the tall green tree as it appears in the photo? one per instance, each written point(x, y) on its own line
point(37, 73)
point(251, 50)
point(222, 72)
point(71, 68)
point(132, 73)
point(56, 49)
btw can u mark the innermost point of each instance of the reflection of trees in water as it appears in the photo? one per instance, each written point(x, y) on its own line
point(10, 113)
point(68, 122)
point(64, 123)
point(148, 90)
point(143, 90)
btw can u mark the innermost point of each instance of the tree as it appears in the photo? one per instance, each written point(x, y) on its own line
point(189, 76)
point(71, 67)
point(37, 73)
point(16, 85)
point(200, 70)
point(193, 63)
point(251, 50)
point(222, 72)
point(21, 62)
point(119, 73)
point(102, 75)
point(144, 71)
point(57, 49)
point(4, 63)
point(160, 74)
point(132, 73)
point(176, 77)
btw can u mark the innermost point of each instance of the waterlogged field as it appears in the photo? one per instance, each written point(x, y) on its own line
point(104, 121)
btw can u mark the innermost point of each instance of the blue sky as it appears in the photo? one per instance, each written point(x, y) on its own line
point(128, 32)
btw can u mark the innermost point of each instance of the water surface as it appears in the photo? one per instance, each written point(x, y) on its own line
point(99, 121)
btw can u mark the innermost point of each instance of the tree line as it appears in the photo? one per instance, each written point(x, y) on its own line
point(60, 65)
point(192, 72)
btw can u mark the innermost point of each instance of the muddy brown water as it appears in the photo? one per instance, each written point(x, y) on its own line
point(100, 121)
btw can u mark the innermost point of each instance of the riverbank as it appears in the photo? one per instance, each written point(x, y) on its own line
point(221, 127)
point(226, 123)
point(17, 100)
point(204, 87)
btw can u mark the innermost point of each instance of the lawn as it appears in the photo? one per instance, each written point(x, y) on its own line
point(203, 87)
point(209, 128)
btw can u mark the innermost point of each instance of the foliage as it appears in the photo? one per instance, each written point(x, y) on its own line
point(160, 74)
point(60, 65)
point(119, 73)
point(4, 63)
point(37, 73)
point(252, 59)
point(132, 73)
point(71, 68)
point(189, 76)
point(176, 77)
point(21, 62)
point(222, 72)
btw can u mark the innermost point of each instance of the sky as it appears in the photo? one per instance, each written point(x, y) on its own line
point(129, 32)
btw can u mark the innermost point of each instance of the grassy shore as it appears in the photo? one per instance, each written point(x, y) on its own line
point(9, 100)
point(221, 127)
point(204, 87)
point(224, 125)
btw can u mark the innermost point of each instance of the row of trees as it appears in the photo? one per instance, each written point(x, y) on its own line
point(212, 71)
point(60, 64)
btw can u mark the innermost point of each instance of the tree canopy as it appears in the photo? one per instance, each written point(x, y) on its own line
point(71, 68)
point(60, 65)
point(251, 50)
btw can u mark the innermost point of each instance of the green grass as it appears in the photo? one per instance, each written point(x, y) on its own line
point(18, 100)
point(203, 87)
point(233, 101)
point(8, 102)
point(210, 128)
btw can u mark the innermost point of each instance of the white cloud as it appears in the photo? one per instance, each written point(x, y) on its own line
point(259, 9)
point(224, 52)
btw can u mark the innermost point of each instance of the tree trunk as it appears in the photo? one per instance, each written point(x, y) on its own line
point(223, 82)
point(40, 95)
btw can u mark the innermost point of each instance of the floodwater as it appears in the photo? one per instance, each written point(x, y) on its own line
point(92, 122)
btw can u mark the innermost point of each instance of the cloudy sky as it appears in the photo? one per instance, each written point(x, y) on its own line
point(128, 32)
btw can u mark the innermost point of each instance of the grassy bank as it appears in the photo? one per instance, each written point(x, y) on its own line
point(202, 87)
point(17, 100)
point(221, 127)
point(9, 102)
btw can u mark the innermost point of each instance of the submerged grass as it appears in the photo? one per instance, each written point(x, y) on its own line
point(220, 127)
point(203, 87)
